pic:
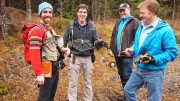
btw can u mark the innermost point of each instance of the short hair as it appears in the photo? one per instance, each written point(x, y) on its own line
point(152, 5)
point(83, 6)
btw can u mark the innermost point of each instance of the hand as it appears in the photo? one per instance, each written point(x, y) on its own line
point(111, 53)
point(145, 58)
point(66, 51)
point(61, 64)
point(40, 79)
point(129, 51)
point(100, 43)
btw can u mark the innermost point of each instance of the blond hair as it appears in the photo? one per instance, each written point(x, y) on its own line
point(152, 5)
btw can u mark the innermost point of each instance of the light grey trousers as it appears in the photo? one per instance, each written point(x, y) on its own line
point(85, 65)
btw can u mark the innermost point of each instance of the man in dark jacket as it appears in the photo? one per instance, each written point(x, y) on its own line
point(122, 37)
point(81, 35)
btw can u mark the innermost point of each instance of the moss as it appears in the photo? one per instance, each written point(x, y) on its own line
point(3, 89)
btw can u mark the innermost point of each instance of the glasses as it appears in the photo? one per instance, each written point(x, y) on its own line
point(82, 12)
point(122, 10)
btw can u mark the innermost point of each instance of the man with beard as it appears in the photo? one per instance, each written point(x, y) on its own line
point(43, 48)
point(154, 46)
point(122, 37)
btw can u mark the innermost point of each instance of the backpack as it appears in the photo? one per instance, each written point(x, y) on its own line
point(25, 34)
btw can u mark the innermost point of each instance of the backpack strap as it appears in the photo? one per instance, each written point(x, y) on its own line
point(42, 27)
point(71, 35)
point(92, 26)
point(43, 30)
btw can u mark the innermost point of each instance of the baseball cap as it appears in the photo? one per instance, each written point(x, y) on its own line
point(123, 6)
point(44, 5)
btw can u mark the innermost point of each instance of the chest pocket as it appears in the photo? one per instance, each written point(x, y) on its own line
point(49, 49)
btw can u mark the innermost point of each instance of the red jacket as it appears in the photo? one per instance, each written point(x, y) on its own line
point(36, 39)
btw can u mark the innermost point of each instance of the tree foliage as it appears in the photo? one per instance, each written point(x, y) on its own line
point(99, 9)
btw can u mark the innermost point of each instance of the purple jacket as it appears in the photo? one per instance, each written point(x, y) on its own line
point(128, 35)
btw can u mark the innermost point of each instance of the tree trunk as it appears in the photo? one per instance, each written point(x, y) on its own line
point(28, 8)
point(105, 10)
point(174, 9)
point(96, 6)
point(9, 3)
point(61, 9)
point(93, 10)
point(60, 5)
point(3, 16)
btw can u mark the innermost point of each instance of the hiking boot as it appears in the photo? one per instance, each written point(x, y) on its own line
point(121, 98)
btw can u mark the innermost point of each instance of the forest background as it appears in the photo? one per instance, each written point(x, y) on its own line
point(16, 77)
point(99, 9)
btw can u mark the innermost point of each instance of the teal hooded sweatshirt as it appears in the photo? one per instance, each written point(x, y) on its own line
point(160, 44)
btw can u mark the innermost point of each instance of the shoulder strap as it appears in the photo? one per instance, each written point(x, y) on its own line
point(43, 30)
point(92, 26)
point(71, 32)
point(72, 24)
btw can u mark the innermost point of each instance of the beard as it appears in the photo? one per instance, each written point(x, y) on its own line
point(47, 20)
point(123, 15)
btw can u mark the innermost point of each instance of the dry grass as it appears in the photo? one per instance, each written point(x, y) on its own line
point(20, 85)
point(175, 25)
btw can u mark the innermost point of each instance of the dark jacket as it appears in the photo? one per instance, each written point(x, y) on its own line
point(81, 43)
point(127, 36)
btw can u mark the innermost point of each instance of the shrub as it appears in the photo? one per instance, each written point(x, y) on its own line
point(59, 24)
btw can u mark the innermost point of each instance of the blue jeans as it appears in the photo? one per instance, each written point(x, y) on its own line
point(152, 79)
point(124, 65)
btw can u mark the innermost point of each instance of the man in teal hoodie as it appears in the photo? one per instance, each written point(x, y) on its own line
point(153, 47)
